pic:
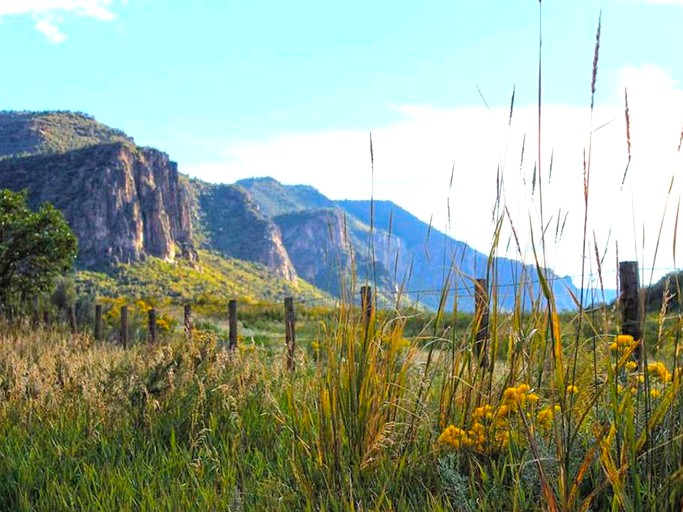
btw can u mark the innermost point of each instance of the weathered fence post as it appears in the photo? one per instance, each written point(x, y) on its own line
point(36, 311)
point(187, 321)
point(152, 326)
point(481, 322)
point(366, 305)
point(124, 326)
point(98, 322)
point(290, 331)
point(631, 313)
point(72, 319)
point(232, 324)
point(46, 318)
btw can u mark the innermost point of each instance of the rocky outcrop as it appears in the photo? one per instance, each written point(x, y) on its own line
point(317, 243)
point(232, 224)
point(123, 202)
point(32, 133)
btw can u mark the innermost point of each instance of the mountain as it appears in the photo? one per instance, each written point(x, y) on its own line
point(428, 255)
point(230, 223)
point(326, 245)
point(391, 248)
point(123, 202)
point(128, 203)
point(31, 133)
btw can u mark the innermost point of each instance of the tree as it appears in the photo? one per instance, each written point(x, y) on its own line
point(35, 247)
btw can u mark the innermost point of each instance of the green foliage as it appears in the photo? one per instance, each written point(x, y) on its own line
point(208, 284)
point(30, 133)
point(35, 247)
point(64, 293)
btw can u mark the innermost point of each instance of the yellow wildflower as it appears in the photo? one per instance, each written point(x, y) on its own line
point(631, 366)
point(485, 412)
point(660, 370)
point(532, 397)
point(624, 339)
point(523, 388)
point(510, 395)
point(545, 416)
point(655, 393)
point(572, 389)
point(455, 437)
point(502, 411)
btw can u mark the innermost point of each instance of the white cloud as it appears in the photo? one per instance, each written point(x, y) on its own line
point(46, 13)
point(414, 157)
point(50, 31)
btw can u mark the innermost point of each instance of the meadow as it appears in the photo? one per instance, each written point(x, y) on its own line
point(369, 420)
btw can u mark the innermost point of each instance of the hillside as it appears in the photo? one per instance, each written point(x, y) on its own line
point(127, 204)
point(273, 199)
point(31, 133)
point(426, 249)
point(229, 222)
point(399, 253)
point(214, 280)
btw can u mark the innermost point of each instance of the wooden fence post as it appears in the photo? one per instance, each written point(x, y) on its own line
point(124, 326)
point(290, 331)
point(366, 305)
point(187, 321)
point(72, 318)
point(631, 312)
point(152, 326)
point(232, 324)
point(481, 322)
point(46, 318)
point(98, 322)
point(36, 311)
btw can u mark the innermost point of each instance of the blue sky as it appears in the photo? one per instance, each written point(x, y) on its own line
point(292, 90)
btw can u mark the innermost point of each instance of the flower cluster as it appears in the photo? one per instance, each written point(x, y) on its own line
point(659, 371)
point(630, 379)
point(624, 344)
point(545, 416)
point(490, 429)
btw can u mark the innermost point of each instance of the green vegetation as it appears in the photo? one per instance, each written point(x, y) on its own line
point(30, 133)
point(275, 199)
point(377, 419)
point(35, 247)
point(211, 281)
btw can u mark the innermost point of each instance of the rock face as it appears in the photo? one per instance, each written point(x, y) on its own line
point(233, 225)
point(316, 241)
point(123, 202)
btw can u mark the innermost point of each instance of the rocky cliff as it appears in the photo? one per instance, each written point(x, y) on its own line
point(231, 224)
point(123, 202)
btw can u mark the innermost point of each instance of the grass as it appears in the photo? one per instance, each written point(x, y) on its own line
point(370, 420)
point(396, 414)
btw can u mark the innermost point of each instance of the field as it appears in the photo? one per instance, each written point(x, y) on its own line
point(369, 420)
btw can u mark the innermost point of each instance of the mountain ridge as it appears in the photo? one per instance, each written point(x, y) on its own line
point(127, 203)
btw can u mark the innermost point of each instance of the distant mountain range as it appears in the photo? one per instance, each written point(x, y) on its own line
point(126, 203)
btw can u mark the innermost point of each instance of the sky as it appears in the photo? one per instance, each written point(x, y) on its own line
point(294, 90)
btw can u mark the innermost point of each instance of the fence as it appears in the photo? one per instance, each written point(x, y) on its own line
point(631, 303)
